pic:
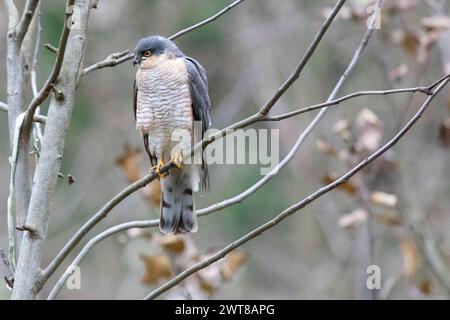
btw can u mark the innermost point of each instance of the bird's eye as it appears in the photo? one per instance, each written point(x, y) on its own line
point(147, 53)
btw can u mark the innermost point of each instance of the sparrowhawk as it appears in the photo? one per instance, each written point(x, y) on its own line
point(170, 93)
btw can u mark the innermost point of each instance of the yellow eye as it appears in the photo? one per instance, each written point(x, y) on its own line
point(147, 53)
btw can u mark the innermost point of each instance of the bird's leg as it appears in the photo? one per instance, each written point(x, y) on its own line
point(177, 159)
point(157, 169)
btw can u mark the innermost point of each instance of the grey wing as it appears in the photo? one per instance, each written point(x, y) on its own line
point(198, 85)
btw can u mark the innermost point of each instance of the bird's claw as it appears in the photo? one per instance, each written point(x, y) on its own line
point(157, 169)
point(177, 160)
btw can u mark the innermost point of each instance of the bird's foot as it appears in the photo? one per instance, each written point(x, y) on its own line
point(157, 169)
point(177, 159)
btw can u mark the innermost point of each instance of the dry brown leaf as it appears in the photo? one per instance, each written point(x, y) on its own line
point(206, 286)
point(425, 286)
point(129, 162)
point(398, 73)
point(352, 219)
point(410, 41)
point(444, 133)
point(233, 262)
point(152, 192)
point(370, 129)
point(400, 6)
point(341, 128)
point(436, 23)
point(173, 243)
point(390, 217)
point(138, 232)
point(411, 257)
point(348, 187)
point(157, 269)
point(323, 146)
point(383, 199)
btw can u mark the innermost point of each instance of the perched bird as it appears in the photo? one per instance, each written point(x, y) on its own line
point(170, 93)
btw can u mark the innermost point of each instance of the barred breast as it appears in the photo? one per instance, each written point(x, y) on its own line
point(163, 103)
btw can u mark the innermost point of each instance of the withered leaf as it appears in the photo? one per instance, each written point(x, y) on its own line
point(398, 73)
point(370, 129)
point(173, 243)
point(323, 146)
point(411, 257)
point(347, 187)
point(233, 262)
point(444, 133)
point(157, 269)
point(383, 199)
point(390, 217)
point(129, 162)
point(436, 23)
point(352, 219)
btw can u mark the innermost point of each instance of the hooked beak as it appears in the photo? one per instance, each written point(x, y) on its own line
point(136, 60)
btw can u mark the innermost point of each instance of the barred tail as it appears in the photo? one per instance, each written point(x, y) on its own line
point(177, 204)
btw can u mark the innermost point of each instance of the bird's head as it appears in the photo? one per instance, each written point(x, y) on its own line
point(151, 50)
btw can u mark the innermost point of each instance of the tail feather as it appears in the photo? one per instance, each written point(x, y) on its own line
point(177, 204)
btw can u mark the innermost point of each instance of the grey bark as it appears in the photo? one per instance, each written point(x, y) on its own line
point(58, 118)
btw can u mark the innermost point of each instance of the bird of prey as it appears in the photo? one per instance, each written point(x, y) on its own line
point(170, 93)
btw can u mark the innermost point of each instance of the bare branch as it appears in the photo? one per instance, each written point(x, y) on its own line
point(13, 16)
point(119, 57)
point(291, 210)
point(28, 266)
point(294, 76)
point(37, 118)
point(17, 79)
point(9, 277)
point(91, 243)
point(205, 22)
point(50, 48)
point(110, 61)
point(425, 90)
point(101, 214)
point(25, 20)
point(45, 91)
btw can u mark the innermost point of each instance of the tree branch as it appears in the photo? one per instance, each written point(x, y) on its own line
point(25, 20)
point(303, 203)
point(206, 21)
point(91, 243)
point(49, 84)
point(119, 57)
point(28, 266)
point(37, 118)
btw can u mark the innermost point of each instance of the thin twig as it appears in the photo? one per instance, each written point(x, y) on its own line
point(25, 20)
point(120, 57)
point(37, 129)
point(37, 118)
point(49, 84)
point(303, 203)
point(91, 243)
point(206, 21)
point(9, 277)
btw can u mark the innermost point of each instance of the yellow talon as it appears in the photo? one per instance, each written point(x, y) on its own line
point(157, 169)
point(177, 160)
